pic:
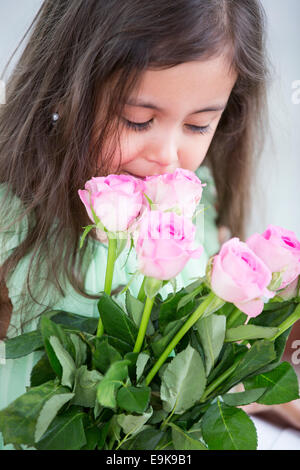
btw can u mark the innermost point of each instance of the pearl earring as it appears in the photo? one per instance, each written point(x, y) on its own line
point(55, 118)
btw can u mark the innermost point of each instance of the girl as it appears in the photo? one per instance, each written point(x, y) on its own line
point(114, 86)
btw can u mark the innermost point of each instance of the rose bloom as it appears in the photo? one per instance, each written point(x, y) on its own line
point(280, 251)
point(181, 190)
point(290, 291)
point(116, 199)
point(239, 276)
point(164, 244)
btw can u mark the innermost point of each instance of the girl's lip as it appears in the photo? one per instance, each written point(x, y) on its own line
point(135, 176)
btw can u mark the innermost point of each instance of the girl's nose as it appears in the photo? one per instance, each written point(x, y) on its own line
point(165, 152)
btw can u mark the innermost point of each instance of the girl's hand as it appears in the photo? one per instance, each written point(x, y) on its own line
point(287, 413)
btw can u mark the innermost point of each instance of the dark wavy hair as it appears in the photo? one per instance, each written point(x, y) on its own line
point(83, 56)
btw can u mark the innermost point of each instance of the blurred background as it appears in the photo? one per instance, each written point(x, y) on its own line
point(278, 200)
point(276, 197)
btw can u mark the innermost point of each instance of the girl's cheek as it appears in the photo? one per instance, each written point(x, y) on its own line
point(195, 154)
point(131, 149)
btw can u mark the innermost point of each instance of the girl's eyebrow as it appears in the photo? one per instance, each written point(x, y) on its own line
point(143, 104)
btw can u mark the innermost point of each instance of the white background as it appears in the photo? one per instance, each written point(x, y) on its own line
point(277, 188)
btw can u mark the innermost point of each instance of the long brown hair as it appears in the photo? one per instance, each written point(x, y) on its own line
point(86, 55)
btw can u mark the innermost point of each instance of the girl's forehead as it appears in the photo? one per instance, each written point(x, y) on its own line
point(202, 82)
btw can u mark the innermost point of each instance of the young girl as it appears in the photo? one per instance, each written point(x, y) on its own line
point(114, 86)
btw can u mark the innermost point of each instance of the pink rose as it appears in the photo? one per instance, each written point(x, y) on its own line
point(179, 190)
point(280, 251)
point(290, 291)
point(164, 244)
point(116, 199)
point(239, 276)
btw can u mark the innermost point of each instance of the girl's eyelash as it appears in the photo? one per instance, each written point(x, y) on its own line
point(142, 126)
point(199, 130)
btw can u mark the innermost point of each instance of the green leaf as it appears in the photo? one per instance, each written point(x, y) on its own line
point(92, 438)
point(170, 312)
point(132, 357)
point(273, 314)
point(66, 432)
point(261, 353)
point(183, 441)
point(23, 345)
point(87, 229)
point(48, 329)
point(80, 349)
point(228, 428)
point(212, 333)
point(104, 355)
point(65, 360)
point(183, 381)
point(121, 346)
point(112, 381)
point(18, 421)
point(141, 362)
point(193, 290)
point(132, 424)
point(104, 428)
point(158, 416)
point(225, 360)
point(147, 439)
point(49, 411)
point(42, 372)
point(75, 321)
point(134, 399)
point(249, 332)
point(243, 398)
point(160, 344)
point(85, 388)
point(279, 347)
point(281, 383)
point(114, 429)
point(116, 323)
point(227, 309)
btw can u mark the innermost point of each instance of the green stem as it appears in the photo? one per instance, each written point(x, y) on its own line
point(141, 294)
point(189, 323)
point(233, 317)
point(220, 379)
point(111, 258)
point(287, 323)
point(144, 324)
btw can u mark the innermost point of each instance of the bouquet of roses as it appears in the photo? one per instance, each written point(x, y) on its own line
point(161, 373)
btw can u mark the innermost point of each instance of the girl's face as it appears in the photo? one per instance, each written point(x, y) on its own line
point(171, 118)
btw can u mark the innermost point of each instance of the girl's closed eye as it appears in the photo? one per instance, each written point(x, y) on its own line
point(143, 126)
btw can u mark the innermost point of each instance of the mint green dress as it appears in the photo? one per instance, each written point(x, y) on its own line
point(15, 373)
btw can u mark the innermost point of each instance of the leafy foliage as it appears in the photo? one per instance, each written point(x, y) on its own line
point(90, 392)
